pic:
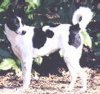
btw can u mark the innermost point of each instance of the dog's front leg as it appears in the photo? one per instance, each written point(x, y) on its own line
point(26, 71)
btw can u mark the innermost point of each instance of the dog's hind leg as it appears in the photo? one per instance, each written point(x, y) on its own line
point(81, 73)
point(72, 73)
point(83, 77)
point(73, 77)
point(75, 71)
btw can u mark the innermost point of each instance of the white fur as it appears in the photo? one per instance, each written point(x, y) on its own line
point(23, 49)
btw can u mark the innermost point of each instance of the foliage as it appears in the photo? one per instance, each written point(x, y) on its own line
point(86, 39)
point(4, 5)
point(32, 5)
point(41, 12)
point(9, 63)
point(38, 60)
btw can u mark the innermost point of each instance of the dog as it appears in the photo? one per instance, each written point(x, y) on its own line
point(29, 42)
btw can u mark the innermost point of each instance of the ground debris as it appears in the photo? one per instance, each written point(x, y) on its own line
point(52, 84)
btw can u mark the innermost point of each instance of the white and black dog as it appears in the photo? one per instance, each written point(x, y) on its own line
point(29, 42)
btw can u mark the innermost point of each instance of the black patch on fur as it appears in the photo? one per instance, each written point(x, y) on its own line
point(13, 22)
point(39, 38)
point(74, 37)
point(49, 33)
point(11, 18)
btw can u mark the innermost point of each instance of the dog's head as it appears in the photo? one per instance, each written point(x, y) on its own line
point(14, 21)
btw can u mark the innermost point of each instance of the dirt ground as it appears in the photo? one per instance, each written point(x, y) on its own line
point(52, 84)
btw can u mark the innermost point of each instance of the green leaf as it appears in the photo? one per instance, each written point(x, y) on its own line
point(4, 5)
point(33, 3)
point(86, 39)
point(38, 60)
point(7, 64)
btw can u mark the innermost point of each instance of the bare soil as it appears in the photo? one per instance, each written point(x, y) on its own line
point(51, 84)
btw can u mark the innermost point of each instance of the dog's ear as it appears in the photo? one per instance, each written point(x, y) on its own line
point(10, 12)
point(16, 8)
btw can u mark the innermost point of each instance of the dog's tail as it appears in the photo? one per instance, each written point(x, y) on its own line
point(82, 16)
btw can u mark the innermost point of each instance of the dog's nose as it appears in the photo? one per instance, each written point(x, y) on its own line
point(23, 32)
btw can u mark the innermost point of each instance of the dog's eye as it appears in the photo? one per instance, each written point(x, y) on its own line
point(16, 22)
